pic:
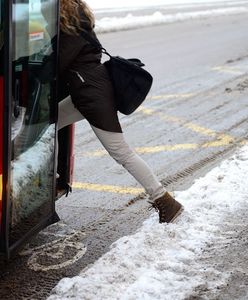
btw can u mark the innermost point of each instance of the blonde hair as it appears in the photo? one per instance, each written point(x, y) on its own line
point(70, 18)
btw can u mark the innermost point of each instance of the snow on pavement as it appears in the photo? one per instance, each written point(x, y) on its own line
point(131, 21)
point(160, 261)
point(205, 9)
point(121, 4)
point(109, 24)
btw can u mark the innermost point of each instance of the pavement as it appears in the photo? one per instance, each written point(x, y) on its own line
point(195, 116)
point(166, 9)
point(201, 255)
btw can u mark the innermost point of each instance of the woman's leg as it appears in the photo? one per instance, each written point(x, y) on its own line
point(68, 114)
point(118, 148)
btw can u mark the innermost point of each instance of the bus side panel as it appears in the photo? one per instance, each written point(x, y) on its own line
point(1, 147)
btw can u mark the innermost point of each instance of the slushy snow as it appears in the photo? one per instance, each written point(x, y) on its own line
point(120, 4)
point(130, 21)
point(160, 261)
point(196, 9)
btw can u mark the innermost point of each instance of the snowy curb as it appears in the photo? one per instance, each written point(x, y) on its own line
point(131, 22)
point(160, 261)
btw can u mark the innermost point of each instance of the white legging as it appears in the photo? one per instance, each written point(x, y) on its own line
point(118, 149)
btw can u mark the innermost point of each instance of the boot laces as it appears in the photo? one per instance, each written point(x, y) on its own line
point(152, 206)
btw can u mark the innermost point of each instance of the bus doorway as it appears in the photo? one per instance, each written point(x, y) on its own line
point(28, 109)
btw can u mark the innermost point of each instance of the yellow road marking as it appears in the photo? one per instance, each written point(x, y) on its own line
point(189, 125)
point(156, 149)
point(200, 129)
point(242, 143)
point(135, 191)
point(107, 188)
point(162, 148)
point(97, 153)
point(221, 139)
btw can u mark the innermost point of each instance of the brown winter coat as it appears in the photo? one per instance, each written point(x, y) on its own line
point(89, 83)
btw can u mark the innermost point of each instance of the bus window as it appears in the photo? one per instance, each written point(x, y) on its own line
point(33, 127)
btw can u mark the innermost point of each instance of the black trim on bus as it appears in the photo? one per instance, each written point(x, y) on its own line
point(55, 89)
point(6, 249)
point(7, 20)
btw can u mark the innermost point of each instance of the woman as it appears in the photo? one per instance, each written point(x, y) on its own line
point(92, 98)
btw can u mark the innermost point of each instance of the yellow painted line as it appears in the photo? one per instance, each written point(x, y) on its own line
point(163, 148)
point(220, 139)
point(97, 153)
point(162, 116)
point(244, 142)
point(156, 149)
point(135, 191)
point(172, 96)
point(146, 111)
point(145, 150)
point(231, 70)
point(200, 129)
point(107, 188)
point(184, 123)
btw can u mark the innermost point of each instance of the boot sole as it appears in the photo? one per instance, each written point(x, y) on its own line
point(177, 214)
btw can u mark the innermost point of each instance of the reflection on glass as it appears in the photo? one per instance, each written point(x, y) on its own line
point(33, 131)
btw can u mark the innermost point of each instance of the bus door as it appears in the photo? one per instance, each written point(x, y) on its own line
point(28, 119)
point(1, 113)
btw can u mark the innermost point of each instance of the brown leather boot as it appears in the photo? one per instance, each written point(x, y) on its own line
point(169, 209)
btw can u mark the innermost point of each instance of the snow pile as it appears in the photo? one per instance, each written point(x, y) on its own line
point(160, 261)
point(131, 22)
point(121, 4)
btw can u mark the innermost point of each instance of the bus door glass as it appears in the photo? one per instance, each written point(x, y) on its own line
point(32, 113)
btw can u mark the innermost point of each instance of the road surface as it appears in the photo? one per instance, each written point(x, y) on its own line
point(194, 117)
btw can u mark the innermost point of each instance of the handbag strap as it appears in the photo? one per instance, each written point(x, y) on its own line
point(93, 41)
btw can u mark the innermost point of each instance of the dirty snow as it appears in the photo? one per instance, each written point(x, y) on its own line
point(120, 4)
point(160, 261)
point(130, 21)
point(196, 9)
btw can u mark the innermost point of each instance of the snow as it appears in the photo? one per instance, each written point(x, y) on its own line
point(195, 9)
point(160, 261)
point(99, 4)
point(27, 167)
point(109, 24)
point(130, 21)
point(32, 160)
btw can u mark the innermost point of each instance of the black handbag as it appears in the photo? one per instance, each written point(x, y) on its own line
point(130, 81)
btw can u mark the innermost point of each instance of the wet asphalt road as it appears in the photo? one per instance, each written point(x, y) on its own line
point(195, 116)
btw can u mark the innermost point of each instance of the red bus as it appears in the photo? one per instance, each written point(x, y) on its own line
point(28, 116)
